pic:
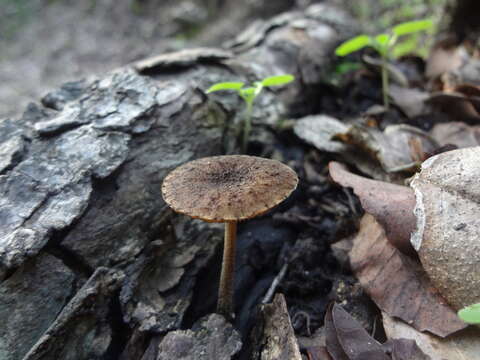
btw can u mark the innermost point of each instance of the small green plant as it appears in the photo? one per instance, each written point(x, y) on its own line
point(249, 94)
point(470, 314)
point(387, 46)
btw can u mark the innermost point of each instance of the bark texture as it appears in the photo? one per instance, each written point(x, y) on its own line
point(277, 339)
point(87, 246)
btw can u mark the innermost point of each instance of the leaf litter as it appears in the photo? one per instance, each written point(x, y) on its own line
point(426, 125)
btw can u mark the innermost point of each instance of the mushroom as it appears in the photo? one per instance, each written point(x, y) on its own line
point(228, 189)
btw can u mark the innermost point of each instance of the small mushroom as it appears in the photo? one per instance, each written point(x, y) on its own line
point(228, 189)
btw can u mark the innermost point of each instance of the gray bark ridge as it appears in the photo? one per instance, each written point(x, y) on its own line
point(80, 176)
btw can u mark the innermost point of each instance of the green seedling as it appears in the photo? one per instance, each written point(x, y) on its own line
point(249, 94)
point(470, 314)
point(387, 45)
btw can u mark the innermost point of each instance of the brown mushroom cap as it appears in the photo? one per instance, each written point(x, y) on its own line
point(228, 188)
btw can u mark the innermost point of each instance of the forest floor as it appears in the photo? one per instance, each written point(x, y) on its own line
point(352, 124)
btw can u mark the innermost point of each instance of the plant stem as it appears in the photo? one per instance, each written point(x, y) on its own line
point(227, 277)
point(385, 81)
point(247, 126)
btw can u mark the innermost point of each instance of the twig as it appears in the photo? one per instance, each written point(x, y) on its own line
point(351, 203)
point(275, 283)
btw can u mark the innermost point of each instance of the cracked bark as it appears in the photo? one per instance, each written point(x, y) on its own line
point(81, 175)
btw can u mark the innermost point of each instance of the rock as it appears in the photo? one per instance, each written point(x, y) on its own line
point(83, 329)
point(210, 338)
point(30, 300)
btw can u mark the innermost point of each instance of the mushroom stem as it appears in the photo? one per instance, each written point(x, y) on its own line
point(225, 291)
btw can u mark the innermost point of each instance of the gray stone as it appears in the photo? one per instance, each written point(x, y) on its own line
point(30, 300)
point(82, 330)
point(210, 338)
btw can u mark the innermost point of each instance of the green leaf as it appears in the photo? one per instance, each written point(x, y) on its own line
point(352, 45)
point(382, 39)
point(248, 94)
point(470, 314)
point(346, 67)
point(277, 80)
point(411, 27)
point(408, 46)
point(225, 86)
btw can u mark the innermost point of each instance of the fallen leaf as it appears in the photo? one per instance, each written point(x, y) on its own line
point(410, 100)
point(314, 345)
point(392, 205)
point(456, 133)
point(464, 345)
point(398, 284)
point(318, 131)
point(447, 209)
point(469, 72)
point(390, 148)
point(318, 353)
point(346, 339)
point(405, 349)
point(455, 105)
point(469, 90)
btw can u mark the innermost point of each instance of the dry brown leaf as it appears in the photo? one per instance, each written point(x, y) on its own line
point(318, 131)
point(318, 353)
point(456, 133)
point(392, 205)
point(469, 90)
point(405, 349)
point(390, 148)
point(447, 209)
point(464, 345)
point(410, 100)
point(455, 105)
point(347, 340)
point(398, 284)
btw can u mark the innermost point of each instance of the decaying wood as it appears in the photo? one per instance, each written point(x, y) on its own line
point(277, 340)
point(80, 182)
